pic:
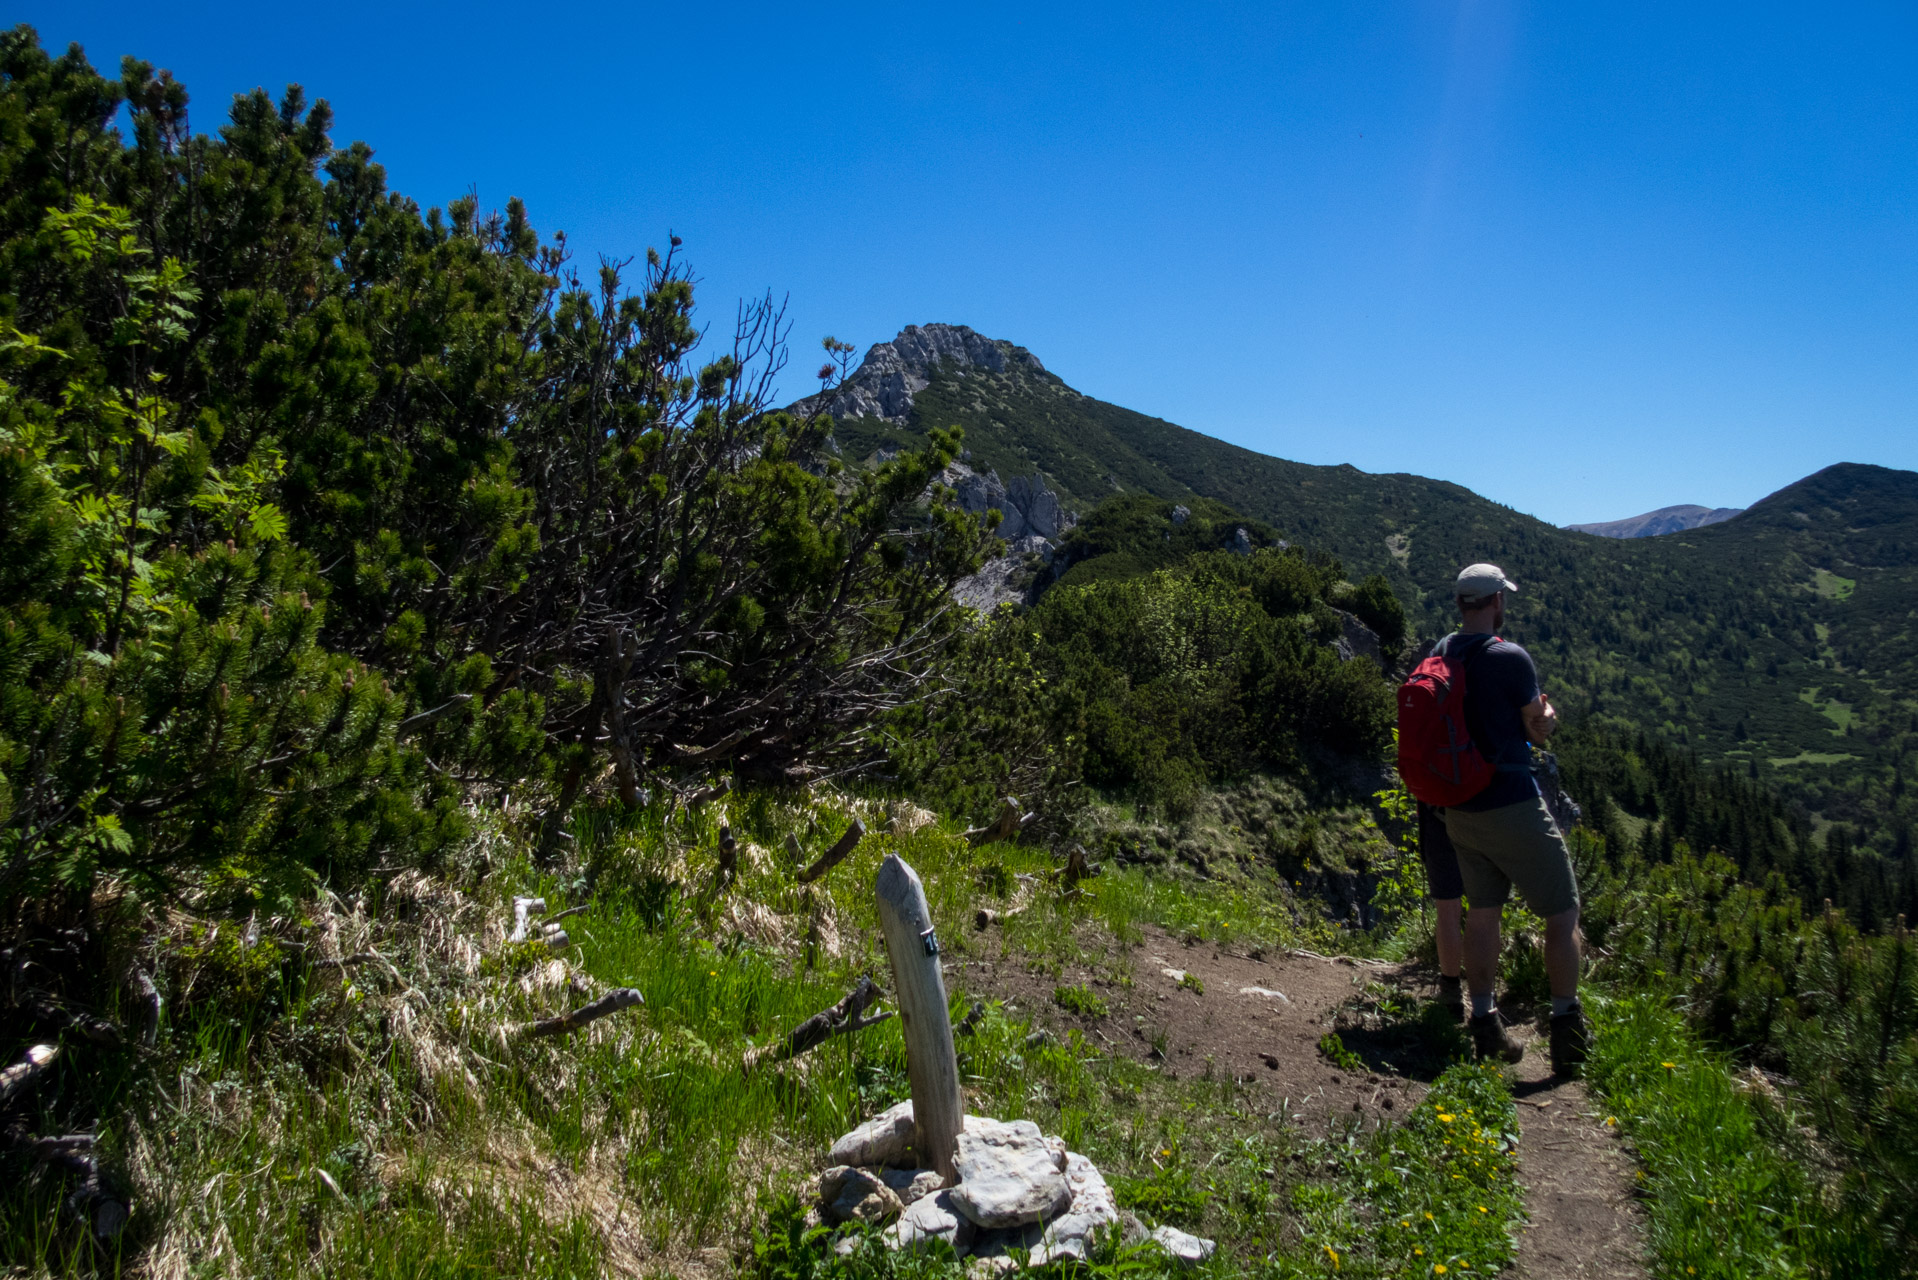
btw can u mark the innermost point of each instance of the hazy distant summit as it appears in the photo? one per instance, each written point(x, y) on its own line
point(894, 372)
point(1653, 523)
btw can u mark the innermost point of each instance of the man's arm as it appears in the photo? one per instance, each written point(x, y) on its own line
point(1541, 719)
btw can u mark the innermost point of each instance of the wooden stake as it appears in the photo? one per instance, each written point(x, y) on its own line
point(932, 1065)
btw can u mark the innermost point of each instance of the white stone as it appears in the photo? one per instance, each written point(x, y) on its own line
point(1093, 1206)
point(1266, 993)
point(884, 1139)
point(1177, 975)
point(856, 1195)
point(1000, 1243)
point(931, 1217)
point(1008, 1175)
point(910, 1184)
point(1188, 1249)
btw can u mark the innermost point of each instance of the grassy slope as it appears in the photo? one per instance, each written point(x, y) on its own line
point(1713, 636)
point(381, 1124)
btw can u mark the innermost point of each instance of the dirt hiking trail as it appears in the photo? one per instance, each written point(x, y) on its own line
point(1586, 1218)
point(1192, 1008)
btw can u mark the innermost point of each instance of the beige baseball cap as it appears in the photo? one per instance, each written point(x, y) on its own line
point(1477, 580)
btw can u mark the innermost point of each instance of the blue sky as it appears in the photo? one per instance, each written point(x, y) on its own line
point(1587, 260)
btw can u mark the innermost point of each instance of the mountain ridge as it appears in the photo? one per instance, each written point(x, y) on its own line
point(1653, 524)
point(1780, 642)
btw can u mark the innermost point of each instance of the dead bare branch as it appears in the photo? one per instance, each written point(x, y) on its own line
point(835, 855)
point(414, 723)
point(33, 1064)
point(1004, 827)
point(841, 1019)
point(610, 1003)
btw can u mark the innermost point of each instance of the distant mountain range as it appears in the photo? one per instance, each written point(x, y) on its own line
point(1662, 521)
point(1783, 641)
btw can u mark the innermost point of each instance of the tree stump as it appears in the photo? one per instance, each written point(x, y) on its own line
point(932, 1065)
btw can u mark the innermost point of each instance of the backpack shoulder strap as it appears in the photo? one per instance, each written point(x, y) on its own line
point(1445, 646)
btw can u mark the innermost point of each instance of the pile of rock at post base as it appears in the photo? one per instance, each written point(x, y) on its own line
point(1017, 1189)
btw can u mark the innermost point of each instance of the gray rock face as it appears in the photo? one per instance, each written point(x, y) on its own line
point(1026, 506)
point(893, 372)
point(1032, 519)
point(884, 1139)
point(1356, 640)
point(1006, 579)
point(1181, 514)
point(1093, 1206)
point(1187, 1249)
point(1009, 1175)
point(856, 1195)
point(929, 1218)
point(1241, 542)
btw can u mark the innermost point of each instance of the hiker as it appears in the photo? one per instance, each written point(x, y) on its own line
point(1478, 774)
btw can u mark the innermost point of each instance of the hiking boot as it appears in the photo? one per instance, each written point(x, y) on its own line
point(1570, 1042)
point(1491, 1040)
point(1451, 997)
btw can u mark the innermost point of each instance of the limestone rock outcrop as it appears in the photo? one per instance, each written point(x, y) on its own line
point(893, 372)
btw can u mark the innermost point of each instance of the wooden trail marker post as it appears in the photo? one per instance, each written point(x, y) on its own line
point(931, 1064)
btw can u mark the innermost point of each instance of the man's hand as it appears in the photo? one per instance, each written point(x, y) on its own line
point(1541, 719)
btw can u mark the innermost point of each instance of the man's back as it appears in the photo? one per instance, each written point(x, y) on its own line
point(1500, 679)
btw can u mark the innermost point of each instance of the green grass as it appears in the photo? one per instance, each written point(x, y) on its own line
point(1810, 757)
point(1831, 586)
point(1839, 713)
point(639, 1142)
point(1080, 1000)
point(1726, 1195)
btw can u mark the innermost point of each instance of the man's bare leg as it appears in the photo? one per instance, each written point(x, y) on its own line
point(1481, 954)
point(1451, 940)
point(1489, 1037)
point(1561, 954)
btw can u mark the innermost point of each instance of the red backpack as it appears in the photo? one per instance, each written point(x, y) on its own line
point(1437, 759)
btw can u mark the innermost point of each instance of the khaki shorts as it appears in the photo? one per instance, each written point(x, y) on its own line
point(1516, 844)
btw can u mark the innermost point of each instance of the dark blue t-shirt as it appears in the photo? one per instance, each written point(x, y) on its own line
point(1499, 679)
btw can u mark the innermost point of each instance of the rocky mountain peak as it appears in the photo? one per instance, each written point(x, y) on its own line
point(892, 372)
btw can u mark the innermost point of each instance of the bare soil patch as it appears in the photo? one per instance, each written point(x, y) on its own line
point(1585, 1218)
point(1218, 1022)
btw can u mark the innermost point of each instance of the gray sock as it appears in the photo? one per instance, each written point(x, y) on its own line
point(1483, 1004)
point(1562, 1005)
